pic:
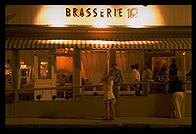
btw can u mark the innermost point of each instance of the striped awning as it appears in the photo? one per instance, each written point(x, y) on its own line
point(163, 43)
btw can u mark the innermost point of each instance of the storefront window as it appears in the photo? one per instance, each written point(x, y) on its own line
point(26, 76)
point(26, 69)
point(8, 74)
point(44, 68)
point(93, 68)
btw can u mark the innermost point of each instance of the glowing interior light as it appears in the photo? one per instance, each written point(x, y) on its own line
point(99, 42)
point(184, 53)
point(21, 62)
point(23, 66)
point(44, 63)
point(66, 50)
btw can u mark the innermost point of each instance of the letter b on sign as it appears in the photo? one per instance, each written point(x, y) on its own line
point(68, 12)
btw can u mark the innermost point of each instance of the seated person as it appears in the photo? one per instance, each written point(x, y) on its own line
point(87, 83)
point(70, 80)
point(63, 80)
point(83, 81)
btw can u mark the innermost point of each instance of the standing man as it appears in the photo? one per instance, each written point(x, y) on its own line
point(146, 77)
point(173, 71)
point(117, 78)
point(176, 91)
point(177, 97)
point(135, 79)
point(147, 73)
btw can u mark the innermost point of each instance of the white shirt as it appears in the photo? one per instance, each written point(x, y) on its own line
point(147, 75)
point(135, 76)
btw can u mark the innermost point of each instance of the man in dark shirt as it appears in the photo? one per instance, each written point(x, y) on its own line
point(176, 91)
point(175, 85)
point(173, 68)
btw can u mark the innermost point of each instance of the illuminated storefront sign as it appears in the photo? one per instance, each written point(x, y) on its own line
point(107, 12)
point(98, 15)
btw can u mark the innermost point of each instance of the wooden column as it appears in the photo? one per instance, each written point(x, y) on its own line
point(77, 74)
point(184, 69)
point(15, 66)
point(112, 56)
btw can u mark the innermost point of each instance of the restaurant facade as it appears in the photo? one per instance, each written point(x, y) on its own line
point(56, 55)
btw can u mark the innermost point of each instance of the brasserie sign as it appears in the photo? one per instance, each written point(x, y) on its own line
point(94, 15)
point(101, 12)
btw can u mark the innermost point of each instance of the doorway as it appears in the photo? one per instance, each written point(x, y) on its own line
point(64, 75)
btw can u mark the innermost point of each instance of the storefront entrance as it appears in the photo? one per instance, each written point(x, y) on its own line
point(64, 76)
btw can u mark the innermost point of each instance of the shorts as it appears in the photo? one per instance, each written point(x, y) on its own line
point(110, 101)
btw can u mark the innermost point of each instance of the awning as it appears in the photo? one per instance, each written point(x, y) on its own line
point(158, 43)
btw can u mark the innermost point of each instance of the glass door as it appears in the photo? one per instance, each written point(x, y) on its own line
point(45, 79)
point(64, 76)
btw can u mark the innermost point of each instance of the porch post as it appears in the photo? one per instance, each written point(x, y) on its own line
point(184, 70)
point(16, 72)
point(112, 56)
point(77, 74)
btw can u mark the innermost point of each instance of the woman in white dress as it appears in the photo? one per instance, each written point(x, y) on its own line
point(109, 98)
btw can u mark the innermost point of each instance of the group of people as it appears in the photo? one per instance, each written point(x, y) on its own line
point(136, 78)
point(112, 81)
point(64, 79)
point(111, 84)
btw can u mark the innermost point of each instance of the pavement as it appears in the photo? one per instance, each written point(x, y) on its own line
point(96, 122)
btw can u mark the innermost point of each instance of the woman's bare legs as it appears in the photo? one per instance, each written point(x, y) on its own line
point(107, 111)
point(112, 110)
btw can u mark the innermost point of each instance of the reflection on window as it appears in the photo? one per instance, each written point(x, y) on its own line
point(44, 68)
point(26, 76)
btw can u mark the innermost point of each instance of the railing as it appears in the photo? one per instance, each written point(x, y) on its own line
point(145, 89)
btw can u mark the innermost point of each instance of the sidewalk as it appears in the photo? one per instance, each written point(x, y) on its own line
point(128, 122)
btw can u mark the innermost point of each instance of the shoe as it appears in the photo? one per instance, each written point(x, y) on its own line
point(111, 118)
